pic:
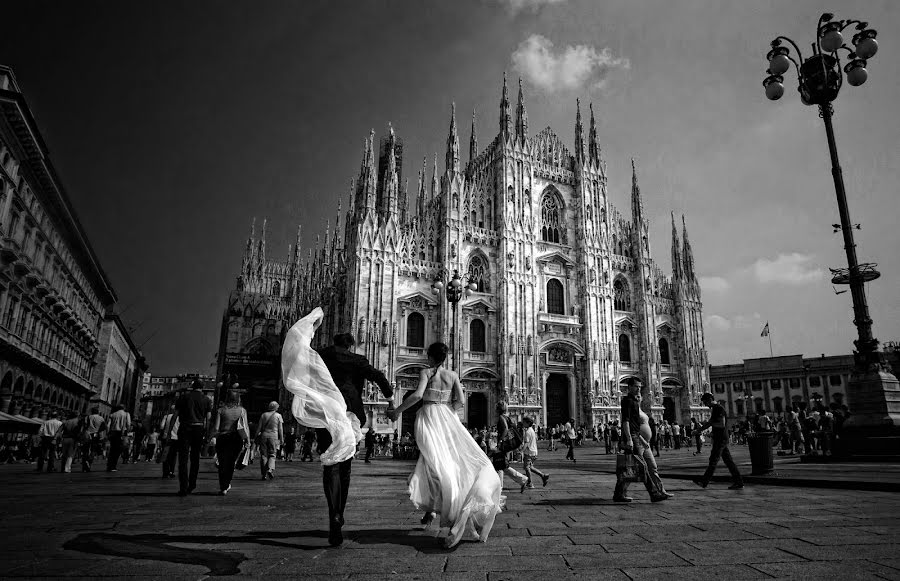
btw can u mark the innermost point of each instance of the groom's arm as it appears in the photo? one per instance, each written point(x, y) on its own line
point(378, 378)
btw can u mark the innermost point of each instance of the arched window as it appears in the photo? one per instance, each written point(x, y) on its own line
point(664, 351)
point(415, 330)
point(555, 303)
point(624, 348)
point(478, 273)
point(276, 288)
point(476, 336)
point(550, 219)
point(621, 296)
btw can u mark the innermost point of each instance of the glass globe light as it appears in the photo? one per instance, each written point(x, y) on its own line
point(866, 48)
point(832, 40)
point(439, 285)
point(455, 283)
point(857, 75)
point(473, 287)
point(779, 64)
point(774, 87)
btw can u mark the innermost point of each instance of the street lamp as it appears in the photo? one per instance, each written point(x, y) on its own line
point(454, 290)
point(820, 79)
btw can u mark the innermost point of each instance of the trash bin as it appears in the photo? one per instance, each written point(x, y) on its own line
point(761, 458)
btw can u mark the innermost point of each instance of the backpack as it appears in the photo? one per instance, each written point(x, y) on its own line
point(513, 440)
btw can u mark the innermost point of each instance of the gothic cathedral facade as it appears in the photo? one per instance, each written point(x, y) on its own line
point(562, 302)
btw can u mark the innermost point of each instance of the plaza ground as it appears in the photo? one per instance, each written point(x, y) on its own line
point(816, 524)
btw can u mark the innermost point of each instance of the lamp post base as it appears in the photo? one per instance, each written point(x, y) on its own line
point(873, 428)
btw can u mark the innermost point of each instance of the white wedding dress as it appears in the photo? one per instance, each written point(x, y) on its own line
point(453, 477)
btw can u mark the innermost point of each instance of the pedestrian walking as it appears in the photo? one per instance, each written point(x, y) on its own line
point(306, 448)
point(315, 378)
point(117, 426)
point(168, 437)
point(370, 445)
point(500, 456)
point(654, 437)
point(232, 436)
point(529, 455)
point(636, 440)
point(269, 436)
point(290, 445)
point(150, 442)
point(719, 449)
point(697, 434)
point(70, 432)
point(193, 418)
point(49, 433)
point(90, 446)
point(569, 432)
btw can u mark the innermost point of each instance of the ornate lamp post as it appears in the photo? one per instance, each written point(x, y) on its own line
point(454, 290)
point(875, 392)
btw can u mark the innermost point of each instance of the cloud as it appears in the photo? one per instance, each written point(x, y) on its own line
point(516, 6)
point(794, 269)
point(573, 67)
point(714, 284)
point(718, 323)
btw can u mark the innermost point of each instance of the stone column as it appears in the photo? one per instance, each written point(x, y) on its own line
point(5, 401)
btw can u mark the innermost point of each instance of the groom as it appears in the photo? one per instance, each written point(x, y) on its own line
point(349, 372)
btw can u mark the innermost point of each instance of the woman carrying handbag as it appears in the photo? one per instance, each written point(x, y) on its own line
point(232, 438)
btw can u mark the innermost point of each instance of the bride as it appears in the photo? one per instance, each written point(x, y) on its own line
point(453, 477)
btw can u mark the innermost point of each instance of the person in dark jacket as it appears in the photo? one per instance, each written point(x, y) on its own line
point(349, 372)
point(717, 422)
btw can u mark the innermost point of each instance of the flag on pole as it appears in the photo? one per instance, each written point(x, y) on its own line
point(765, 331)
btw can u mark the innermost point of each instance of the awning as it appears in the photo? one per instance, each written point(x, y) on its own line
point(19, 424)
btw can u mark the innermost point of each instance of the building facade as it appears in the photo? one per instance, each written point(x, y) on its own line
point(119, 368)
point(564, 303)
point(773, 385)
point(53, 293)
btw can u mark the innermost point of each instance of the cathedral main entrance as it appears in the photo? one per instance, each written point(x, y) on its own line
point(477, 416)
point(669, 411)
point(557, 399)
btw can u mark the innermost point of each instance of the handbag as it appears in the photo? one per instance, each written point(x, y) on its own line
point(244, 458)
point(630, 468)
point(499, 461)
point(513, 439)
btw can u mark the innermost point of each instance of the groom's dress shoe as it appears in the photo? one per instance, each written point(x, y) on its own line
point(335, 536)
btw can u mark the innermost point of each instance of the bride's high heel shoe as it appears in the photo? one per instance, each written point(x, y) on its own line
point(427, 519)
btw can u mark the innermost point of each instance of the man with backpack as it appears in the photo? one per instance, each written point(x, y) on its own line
point(506, 430)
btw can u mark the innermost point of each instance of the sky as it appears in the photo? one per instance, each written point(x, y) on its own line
point(173, 124)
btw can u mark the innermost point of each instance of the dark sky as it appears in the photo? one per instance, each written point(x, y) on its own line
point(173, 123)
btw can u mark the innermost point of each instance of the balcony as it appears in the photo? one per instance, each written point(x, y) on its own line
point(478, 356)
point(553, 318)
point(412, 351)
point(11, 250)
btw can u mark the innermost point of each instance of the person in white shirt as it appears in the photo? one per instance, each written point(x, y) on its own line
point(168, 437)
point(569, 431)
point(529, 454)
point(49, 432)
point(118, 425)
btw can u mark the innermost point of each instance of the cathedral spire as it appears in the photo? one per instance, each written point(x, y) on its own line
point(688, 253)
point(473, 141)
point(677, 271)
point(453, 143)
point(252, 234)
point(637, 204)
point(350, 204)
point(422, 195)
point(521, 118)
point(434, 179)
point(389, 179)
point(368, 180)
point(404, 203)
point(593, 145)
point(505, 119)
point(579, 134)
point(262, 242)
point(296, 256)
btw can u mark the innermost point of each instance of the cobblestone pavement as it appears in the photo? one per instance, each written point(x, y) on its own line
point(130, 524)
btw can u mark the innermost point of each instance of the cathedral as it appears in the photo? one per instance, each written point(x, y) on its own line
point(548, 296)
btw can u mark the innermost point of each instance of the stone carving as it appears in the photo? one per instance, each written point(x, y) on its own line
point(559, 355)
point(530, 346)
point(453, 250)
point(510, 259)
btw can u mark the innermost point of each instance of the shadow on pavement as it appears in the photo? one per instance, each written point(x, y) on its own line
point(593, 501)
point(158, 547)
point(423, 543)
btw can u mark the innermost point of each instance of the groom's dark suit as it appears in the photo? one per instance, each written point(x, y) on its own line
point(349, 372)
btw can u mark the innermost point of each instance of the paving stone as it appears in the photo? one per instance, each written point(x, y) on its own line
point(499, 563)
point(623, 560)
point(813, 571)
point(730, 572)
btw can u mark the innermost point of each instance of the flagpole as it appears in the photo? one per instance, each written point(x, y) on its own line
point(769, 335)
